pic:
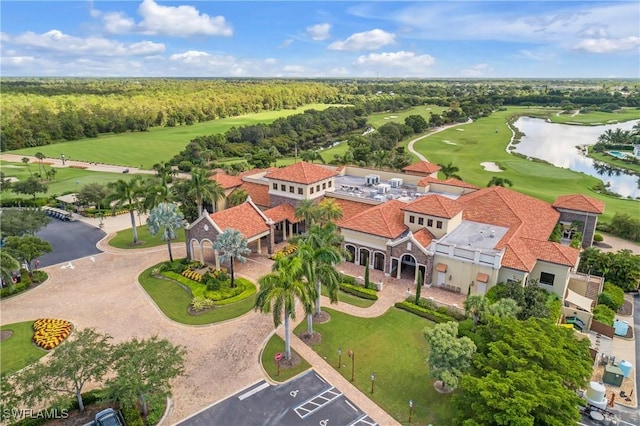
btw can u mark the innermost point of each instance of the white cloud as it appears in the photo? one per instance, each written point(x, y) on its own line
point(402, 59)
point(368, 40)
point(115, 22)
point(599, 31)
point(286, 43)
point(271, 61)
point(537, 55)
point(319, 32)
point(478, 70)
point(180, 21)
point(608, 45)
point(58, 42)
point(188, 56)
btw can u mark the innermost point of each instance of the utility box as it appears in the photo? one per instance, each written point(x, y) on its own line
point(612, 375)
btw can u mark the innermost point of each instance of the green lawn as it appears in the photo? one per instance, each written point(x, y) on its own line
point(158, 144)
point(66, 179)
point(393, 347)
point(350, 299)
point(600, 156)
point(486, 140)
point(273, 346)
point(174, 301)
point(379, 119)
point(18, 351)
point(597, 118)
point(124, 238)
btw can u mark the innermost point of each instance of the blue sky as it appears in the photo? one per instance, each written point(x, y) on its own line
point(427, 39)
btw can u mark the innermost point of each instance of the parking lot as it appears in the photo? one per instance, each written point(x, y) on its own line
point(306, 400)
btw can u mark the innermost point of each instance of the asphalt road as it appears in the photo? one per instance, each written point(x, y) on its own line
point(305, 400)
point(69, 241)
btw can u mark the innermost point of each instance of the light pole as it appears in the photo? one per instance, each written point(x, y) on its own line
point(373, 380)
point(410, 409)
point(62, 158)
point(352, 355)
point(339, 357)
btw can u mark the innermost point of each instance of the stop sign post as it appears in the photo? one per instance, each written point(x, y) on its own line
point(278, 357)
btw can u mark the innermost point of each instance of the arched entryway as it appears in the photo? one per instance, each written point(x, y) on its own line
point(408, 267)
point(378, 261)
point(364, 256)
point(352, 253)
point(208, 254)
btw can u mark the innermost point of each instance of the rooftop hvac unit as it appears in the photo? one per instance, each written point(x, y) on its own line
point(396, 182)
point(372, 179)
point(383, 188)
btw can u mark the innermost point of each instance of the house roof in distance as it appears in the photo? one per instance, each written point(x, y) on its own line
point(422, 167)
point(226, 181)
point(282, 212)
point(349, 208)
point(301, 172)
point(580, 203)
point(245, 218)
point(434, 205)
point(384, 220)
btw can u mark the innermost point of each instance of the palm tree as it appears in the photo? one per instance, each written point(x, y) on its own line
point(237, 197)
point(475, 306)
point(278, 293)
point(381, 158)
point(504, 308)
point(25, 161)
point(8, 265)
point(307, 211)
point(40, 157)
point(311, 155)
point(231, 245)
point(449, 171)
point(155, 193)
point(202, 189)
point(163, 170)
point(499, 181)
point(329, 210)
point(169, 217)
point(126, 195)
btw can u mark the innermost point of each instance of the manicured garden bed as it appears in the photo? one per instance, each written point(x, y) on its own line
point(17, 351)
point(350, 299)
point(393, 347)
point(174, 300)
point(273, 346)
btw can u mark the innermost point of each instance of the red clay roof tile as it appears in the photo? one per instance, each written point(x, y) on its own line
point(579, 202)
point(259, 193)
point(226, 181)
point(424, 237)
point(384, 220)
point(422, 167)
point(350, 208)
point(301, 172)
point(282, 212)
point(434, 205)
point(245, 218)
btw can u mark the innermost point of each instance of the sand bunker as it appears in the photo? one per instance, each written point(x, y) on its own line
point(393, 116)
point(460, 130)
point(450, 143)
point(386, 118)
point(490, 166)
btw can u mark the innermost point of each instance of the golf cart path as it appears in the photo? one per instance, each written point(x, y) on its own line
point(437, 130)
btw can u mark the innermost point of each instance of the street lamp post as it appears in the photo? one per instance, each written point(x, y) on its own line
point(373, 380)
point(410, 409)
point(339, 357)
point(352, 355)
point(62, 158)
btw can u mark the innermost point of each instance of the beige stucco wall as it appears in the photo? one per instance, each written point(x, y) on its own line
point(362, 239)
point(578, 286)
point(306, 189)
point(362, 172)
point(585, 316)
point(560, 281)
point(448, 225)
point(506, 274)
point(449, 189)
point(463, 274)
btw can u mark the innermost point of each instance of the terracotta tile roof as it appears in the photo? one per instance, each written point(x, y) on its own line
point(244, 218)
point(451, 182)
point(282, 212)
point(434, 205)
point(250, 172)
point(552, 252)
point(517, 256)
point(301, 172)
point(483, 278)
point(422, 167)
point(226, 181)
point(525, 216)
point(259, 193)
point(424, 237)
point(350, 208)
point(384, 220)
point(579, 202)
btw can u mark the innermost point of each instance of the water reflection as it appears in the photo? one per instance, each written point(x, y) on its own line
point(556, 143)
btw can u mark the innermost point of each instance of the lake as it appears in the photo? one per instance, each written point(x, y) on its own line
point(556, 143)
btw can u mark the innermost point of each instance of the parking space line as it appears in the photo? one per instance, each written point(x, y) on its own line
point(253, 391)
point(363, 421)
point(311, 406)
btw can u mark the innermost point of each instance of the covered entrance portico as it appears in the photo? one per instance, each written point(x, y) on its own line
point(285, 223)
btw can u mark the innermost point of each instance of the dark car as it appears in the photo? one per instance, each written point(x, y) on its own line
point(108, 417)
point(125, 171)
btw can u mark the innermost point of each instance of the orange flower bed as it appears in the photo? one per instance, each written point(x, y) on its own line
point(49, 332)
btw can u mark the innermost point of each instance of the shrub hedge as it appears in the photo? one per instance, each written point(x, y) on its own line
point(365, 293)
point(244, 288)
point(612, 296)
point(604, 314)
point(427, 313)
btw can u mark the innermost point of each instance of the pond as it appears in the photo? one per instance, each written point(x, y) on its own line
point(556, 143)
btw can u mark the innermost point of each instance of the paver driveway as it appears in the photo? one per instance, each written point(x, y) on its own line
point(104, 293)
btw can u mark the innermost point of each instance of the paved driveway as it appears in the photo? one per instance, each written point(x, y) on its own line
point(69, 241)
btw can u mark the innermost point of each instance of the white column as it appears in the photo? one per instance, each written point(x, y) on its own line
point(284, 230)
point(259, 247)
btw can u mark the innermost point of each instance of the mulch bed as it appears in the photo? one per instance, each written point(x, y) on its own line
point(314, 339)
point(322, 318)
point(290, 363)
point(5, 334)
point(439, 387)
point(626, 309)
point(80, 418)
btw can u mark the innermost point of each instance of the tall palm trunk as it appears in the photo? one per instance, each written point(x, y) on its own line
point(169, 248)
point(318, 295)
point(233, 276)
point(133, 227)
point(309, 324)
point(287, 339)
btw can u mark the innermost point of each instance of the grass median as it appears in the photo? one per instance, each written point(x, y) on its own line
point(393, 347)
point(17, 351)
point(273, 346)
point(173, 300)
point(124, 238)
